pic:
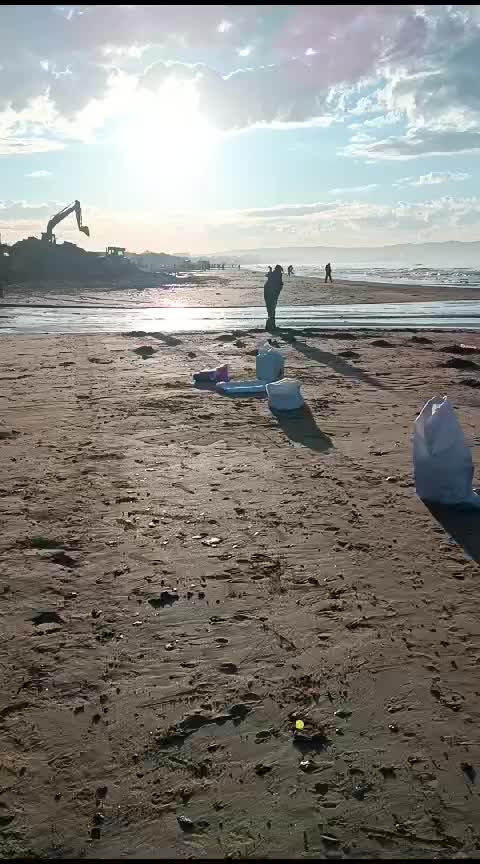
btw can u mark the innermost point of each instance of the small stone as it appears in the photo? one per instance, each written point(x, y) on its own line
point(306, 765)
point(393, 727)
point(170, 646)
point(212, 541)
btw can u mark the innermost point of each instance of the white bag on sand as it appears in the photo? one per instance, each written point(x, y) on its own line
point(284, 395)
point(442, 461)
point(269, 364)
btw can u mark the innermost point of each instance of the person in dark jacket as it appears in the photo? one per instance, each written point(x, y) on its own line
point(271, 293)
point(328, 272)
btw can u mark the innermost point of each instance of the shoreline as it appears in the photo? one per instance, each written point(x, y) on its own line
point(235, 288)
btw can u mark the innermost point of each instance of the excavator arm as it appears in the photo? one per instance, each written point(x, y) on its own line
point(59, 217)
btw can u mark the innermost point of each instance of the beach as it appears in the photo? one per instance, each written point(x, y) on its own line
point(184, 576)
point(231, 288)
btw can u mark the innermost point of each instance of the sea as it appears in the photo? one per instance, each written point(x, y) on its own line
point(437, 276)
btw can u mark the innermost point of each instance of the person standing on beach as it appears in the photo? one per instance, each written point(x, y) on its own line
point(328, 272)
point(271, 293)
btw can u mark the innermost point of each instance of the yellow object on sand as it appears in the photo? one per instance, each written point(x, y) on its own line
point(299, 724)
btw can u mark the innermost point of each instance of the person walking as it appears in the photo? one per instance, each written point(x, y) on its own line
point(328, 272)
point(271, 293)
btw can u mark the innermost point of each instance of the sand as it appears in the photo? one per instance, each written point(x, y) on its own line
point(234, 288)
point(183, 576)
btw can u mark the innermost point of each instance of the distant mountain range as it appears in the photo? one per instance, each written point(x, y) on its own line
point(447, 254)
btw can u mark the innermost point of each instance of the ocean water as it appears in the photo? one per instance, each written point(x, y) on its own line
point(462, 277)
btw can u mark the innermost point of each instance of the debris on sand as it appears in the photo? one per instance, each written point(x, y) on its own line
point(470, 382)
point(421, 340)
point(6, 433)
point(165, 598)
point(228, 668)
point(382, 343)
point(469, 771)
point(145, 351)
point(314, 742)
point(186, 824)
point(46, 617)
point(459, 363)
point(212, 541)
point(262, 768)
point(460, 349)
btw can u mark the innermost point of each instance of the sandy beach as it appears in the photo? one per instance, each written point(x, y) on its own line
point(184, 576)
point(232, 288)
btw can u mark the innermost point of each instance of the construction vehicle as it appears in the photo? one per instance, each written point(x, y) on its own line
point(49, 237)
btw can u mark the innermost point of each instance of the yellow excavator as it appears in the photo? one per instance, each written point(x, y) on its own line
point(49, 237)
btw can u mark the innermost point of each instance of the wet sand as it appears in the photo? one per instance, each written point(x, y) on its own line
point(182, 576)
point(234, 288)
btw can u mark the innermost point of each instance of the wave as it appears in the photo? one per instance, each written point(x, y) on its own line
point(401, 275)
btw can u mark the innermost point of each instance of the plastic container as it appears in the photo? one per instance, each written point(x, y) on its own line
point(270, 364)
point(205, 376)
point(284, 395)
point(242, 388)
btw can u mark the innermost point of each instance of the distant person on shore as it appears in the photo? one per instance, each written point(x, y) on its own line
point(328, 272)
point(271, 293)
point(290, 270)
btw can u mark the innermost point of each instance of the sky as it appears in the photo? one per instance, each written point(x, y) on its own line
point(200, 129)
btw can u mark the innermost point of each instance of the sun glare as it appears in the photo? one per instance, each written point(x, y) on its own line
point(168, 139)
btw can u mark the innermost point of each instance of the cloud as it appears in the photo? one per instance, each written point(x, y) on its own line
point(337, 223)
point(414, 145)
point(38, 174)
point(67, 53)
point(353, 190)
point(299, 64)
point(26, 146)
point(433, 178)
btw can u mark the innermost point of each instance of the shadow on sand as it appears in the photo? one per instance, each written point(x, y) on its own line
point(463, 526)
point(301, 428)
point(337, 364)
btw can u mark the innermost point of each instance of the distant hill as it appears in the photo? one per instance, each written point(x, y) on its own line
point(448, 254)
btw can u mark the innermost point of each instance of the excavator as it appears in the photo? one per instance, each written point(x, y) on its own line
point(49, 237)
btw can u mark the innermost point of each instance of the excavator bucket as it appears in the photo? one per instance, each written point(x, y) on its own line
point(85, 230)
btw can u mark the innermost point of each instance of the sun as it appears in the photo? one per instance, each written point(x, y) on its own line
point(167, 139)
